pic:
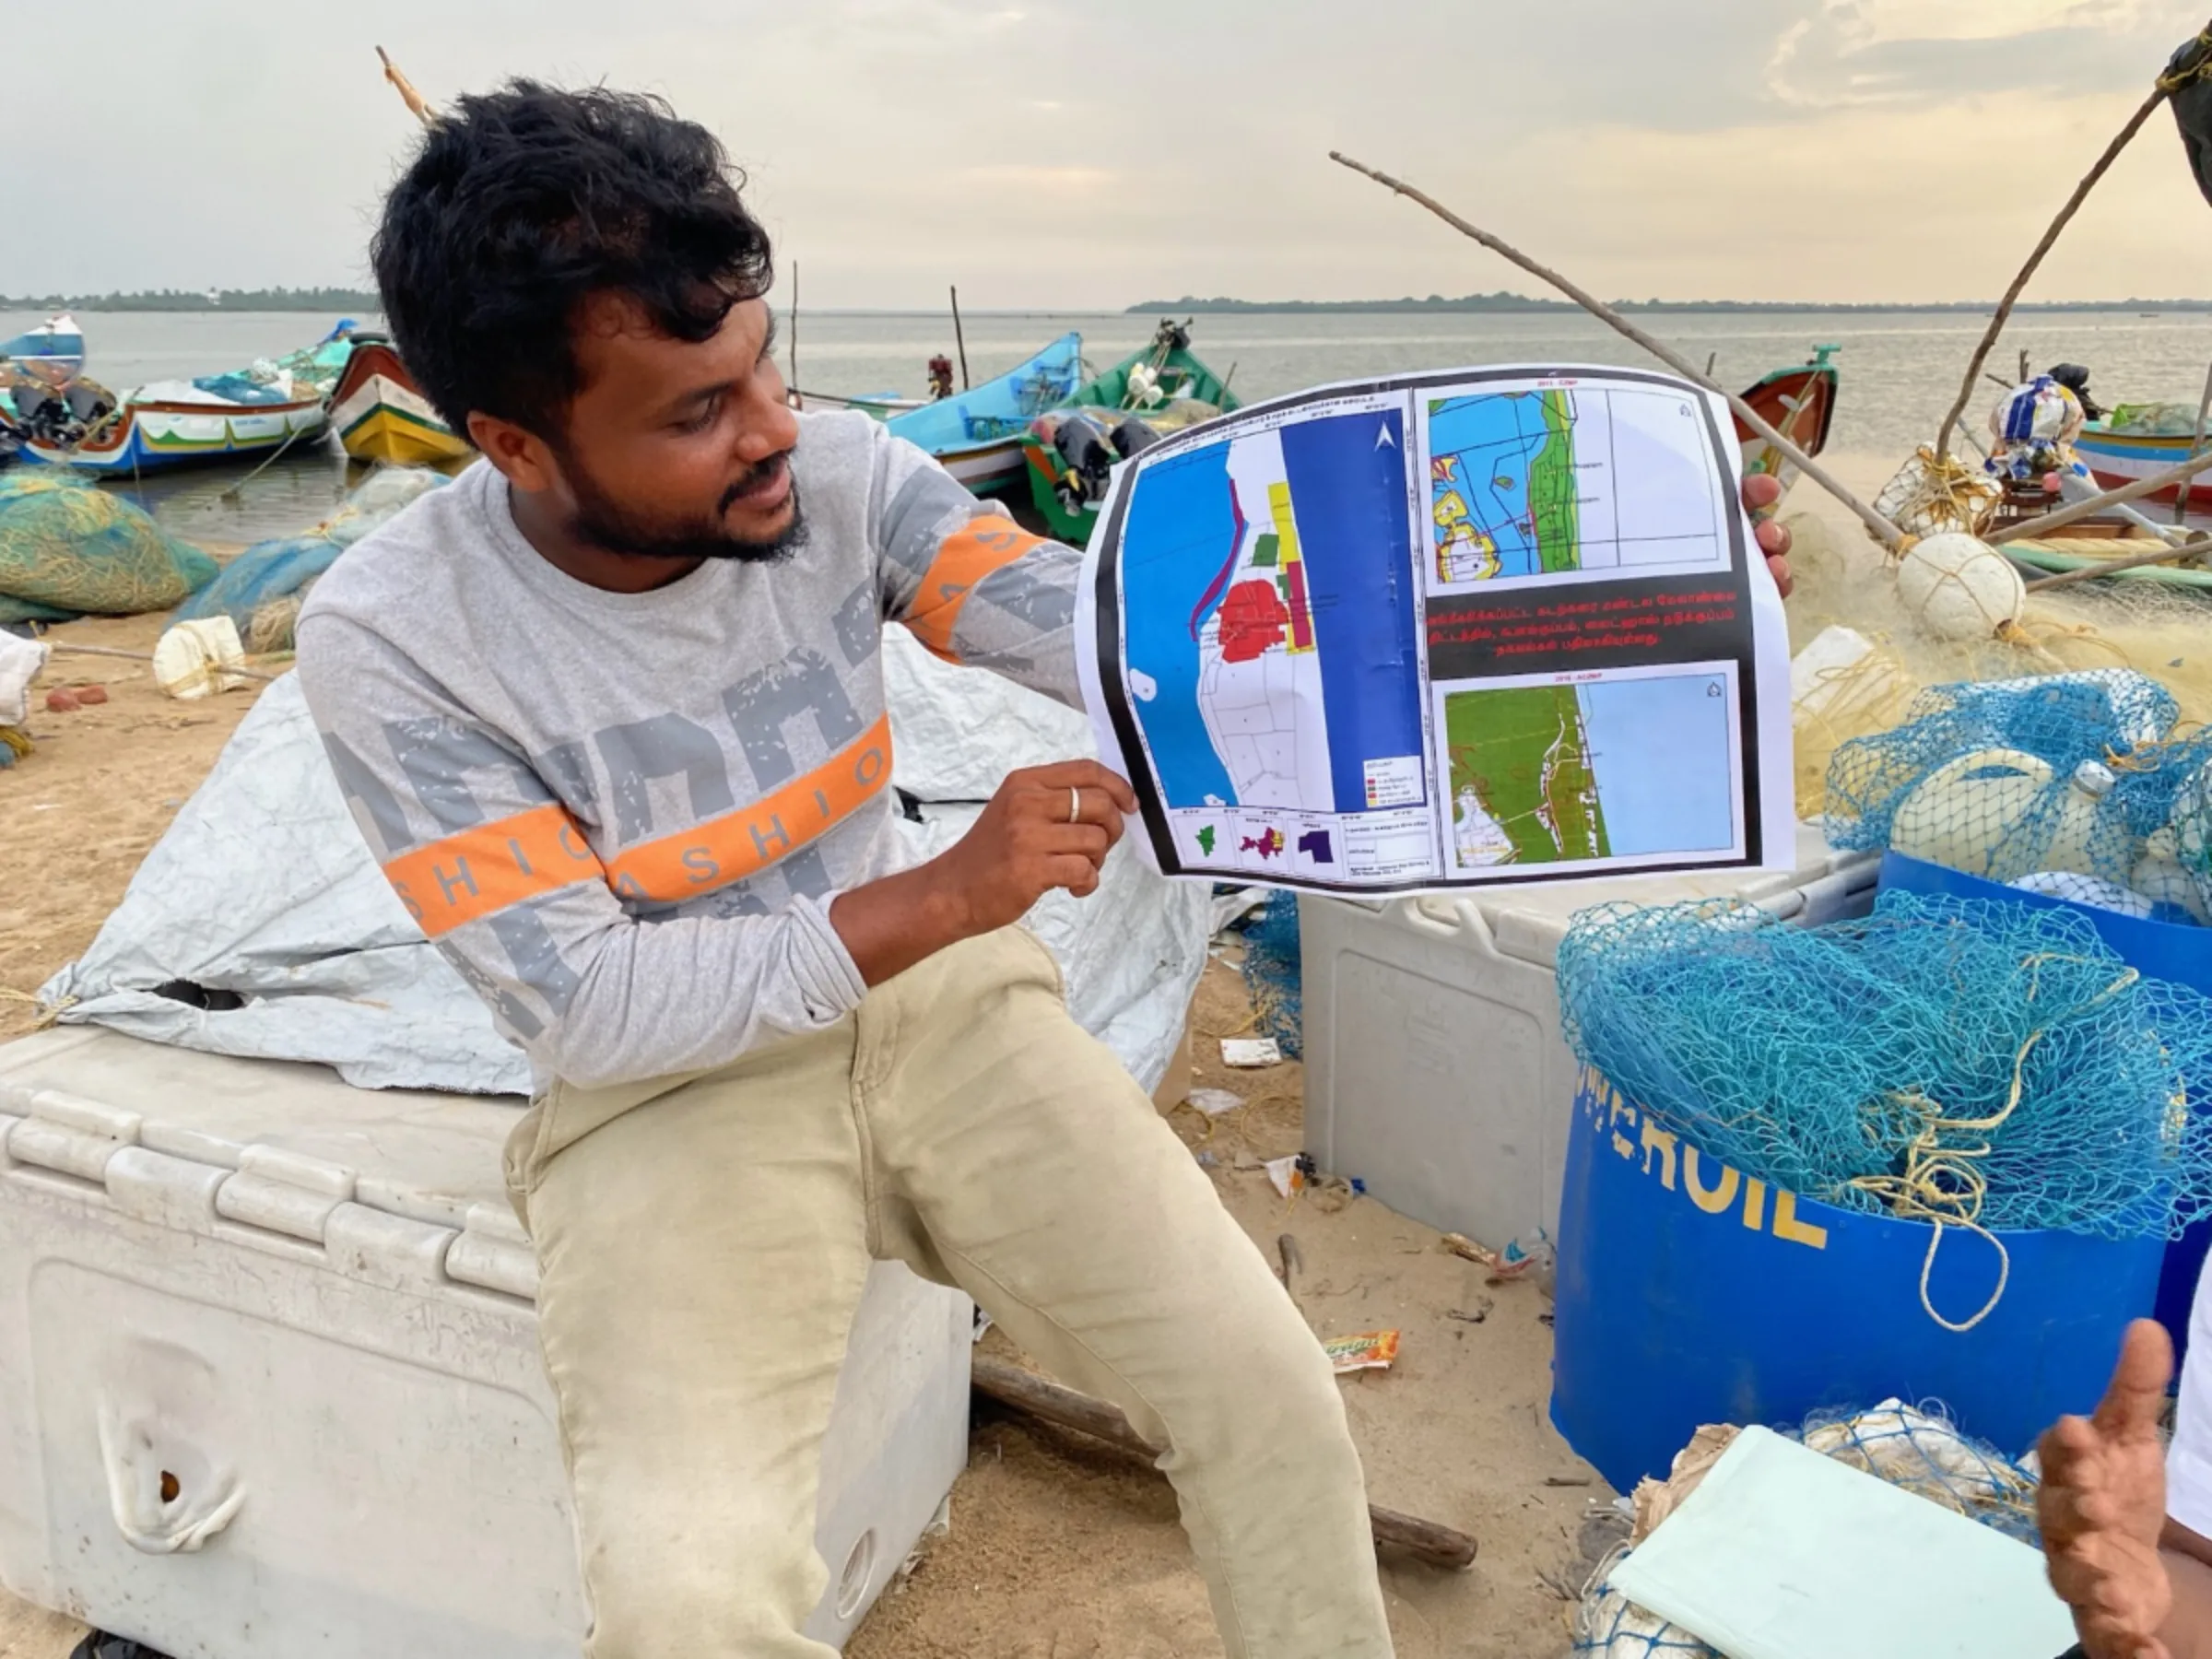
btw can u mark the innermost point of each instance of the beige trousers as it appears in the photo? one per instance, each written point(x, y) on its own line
point(704, 1241)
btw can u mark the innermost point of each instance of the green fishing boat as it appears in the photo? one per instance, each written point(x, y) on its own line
point(1071, 450)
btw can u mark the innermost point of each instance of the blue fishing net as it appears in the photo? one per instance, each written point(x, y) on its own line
point(261, 590)
point(2080, 785)
point(1986, 1064)
point(1274, 973)
point(69, 548)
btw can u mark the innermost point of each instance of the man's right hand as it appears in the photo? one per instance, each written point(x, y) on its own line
point(1047, 827)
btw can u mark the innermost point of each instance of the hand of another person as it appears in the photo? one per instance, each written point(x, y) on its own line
point(1762, 494)
point(2102, 1506)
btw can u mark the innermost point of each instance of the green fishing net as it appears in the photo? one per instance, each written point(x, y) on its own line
point(69, 548)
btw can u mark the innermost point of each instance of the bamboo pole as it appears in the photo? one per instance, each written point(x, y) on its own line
point(1887, 532)
point(959, 338)
point(791, 346)
point(1025, 1390)
point(2114, 567)
point(415, 102)
point(2160, 93)
point(144, 656)
point(2196, 442)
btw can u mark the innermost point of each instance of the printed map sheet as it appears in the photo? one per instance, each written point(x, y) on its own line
point(1484, 626)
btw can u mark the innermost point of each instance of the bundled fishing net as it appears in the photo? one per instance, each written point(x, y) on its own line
point(1986, 1066)
point(2080, 785)
point(1932, 496)
point(263, 588)
point(1273, 971)
point(69, 548)
point(1916, 1449)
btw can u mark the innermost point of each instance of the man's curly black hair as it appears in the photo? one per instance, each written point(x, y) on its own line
point(524, 201)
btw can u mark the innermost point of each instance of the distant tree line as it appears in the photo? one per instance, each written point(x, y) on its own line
point(1503, 301)
point(178, 299)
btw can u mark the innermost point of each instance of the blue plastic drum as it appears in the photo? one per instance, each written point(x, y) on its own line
point(2181, 956)
point(1690, 1293)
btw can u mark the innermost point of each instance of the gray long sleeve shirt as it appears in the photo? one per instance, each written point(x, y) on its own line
point(623, 817)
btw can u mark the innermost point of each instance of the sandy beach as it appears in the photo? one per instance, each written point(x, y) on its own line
point(1059, 1549)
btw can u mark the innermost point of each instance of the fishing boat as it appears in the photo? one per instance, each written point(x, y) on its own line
point(248, 412)
point(1070, 451)
point(1800, 404)
point(52, 353)
point(151, 433)
point(381, 415)
point(2137, 440)
point(977, 434)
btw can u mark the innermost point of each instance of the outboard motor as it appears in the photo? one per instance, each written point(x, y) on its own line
point(1087, 458)
point(1133, 437)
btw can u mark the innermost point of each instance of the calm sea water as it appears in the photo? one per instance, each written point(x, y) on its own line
point(1900, 370)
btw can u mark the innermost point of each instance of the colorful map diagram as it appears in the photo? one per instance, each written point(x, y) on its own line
point(1268, 618)
point(1315, 844)
point(1525, 484)
point(1550, 773)
point(1268, 843)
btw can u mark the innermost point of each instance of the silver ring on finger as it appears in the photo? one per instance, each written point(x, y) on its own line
point(1075, 805)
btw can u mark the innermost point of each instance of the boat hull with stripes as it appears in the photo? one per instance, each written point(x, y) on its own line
point(154, 436)
point(2118, 459)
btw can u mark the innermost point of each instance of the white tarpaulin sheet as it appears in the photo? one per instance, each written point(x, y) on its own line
point(263, 900)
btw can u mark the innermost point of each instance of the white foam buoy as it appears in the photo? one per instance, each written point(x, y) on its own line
point(2162, 878)
point(1960, 588)
point(2088, 890)
point(2191, 830)
point(192, 659)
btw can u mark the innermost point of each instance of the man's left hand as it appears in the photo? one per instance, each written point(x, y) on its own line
point(1762, 494)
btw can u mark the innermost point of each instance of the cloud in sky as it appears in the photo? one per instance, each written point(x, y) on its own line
point(1051, 152)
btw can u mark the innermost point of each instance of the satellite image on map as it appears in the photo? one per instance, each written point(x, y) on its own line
point(1553, 771)
point(1529, 484)
point(1269, 642)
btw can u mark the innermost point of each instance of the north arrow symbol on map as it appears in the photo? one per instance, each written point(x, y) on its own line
point(1383, 437)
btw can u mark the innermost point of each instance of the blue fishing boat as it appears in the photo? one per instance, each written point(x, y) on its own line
point(52, 353)
point(977, 434)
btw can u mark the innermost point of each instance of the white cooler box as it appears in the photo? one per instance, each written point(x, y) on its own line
point(1435, 1070)
point(269, 1372)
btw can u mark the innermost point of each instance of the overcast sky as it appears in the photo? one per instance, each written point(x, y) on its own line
point(1075, 153)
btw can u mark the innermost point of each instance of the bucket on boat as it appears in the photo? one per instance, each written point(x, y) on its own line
point(1690, 1293)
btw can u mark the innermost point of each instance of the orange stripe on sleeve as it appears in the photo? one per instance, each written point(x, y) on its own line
point(983, 545)
point(477, 872)
point(744, 842)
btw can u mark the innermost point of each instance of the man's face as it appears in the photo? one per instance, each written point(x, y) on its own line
point(677, 450)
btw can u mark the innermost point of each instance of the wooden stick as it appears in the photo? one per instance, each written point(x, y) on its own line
point(1027, 1392)
point(2112, 567)
point(791, 348)
point(2110, 498)
point(959, 338)
point(415, 100)
point(2196, 442)
point(143, 656)
point(2065, 215)
point(1889, 535)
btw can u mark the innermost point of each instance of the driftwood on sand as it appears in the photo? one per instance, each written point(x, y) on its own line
point(1025, 1390)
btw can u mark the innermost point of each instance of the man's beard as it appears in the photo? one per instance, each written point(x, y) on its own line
point(604, 525)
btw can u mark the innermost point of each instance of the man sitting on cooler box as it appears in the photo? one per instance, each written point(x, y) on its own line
point(610, 713)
